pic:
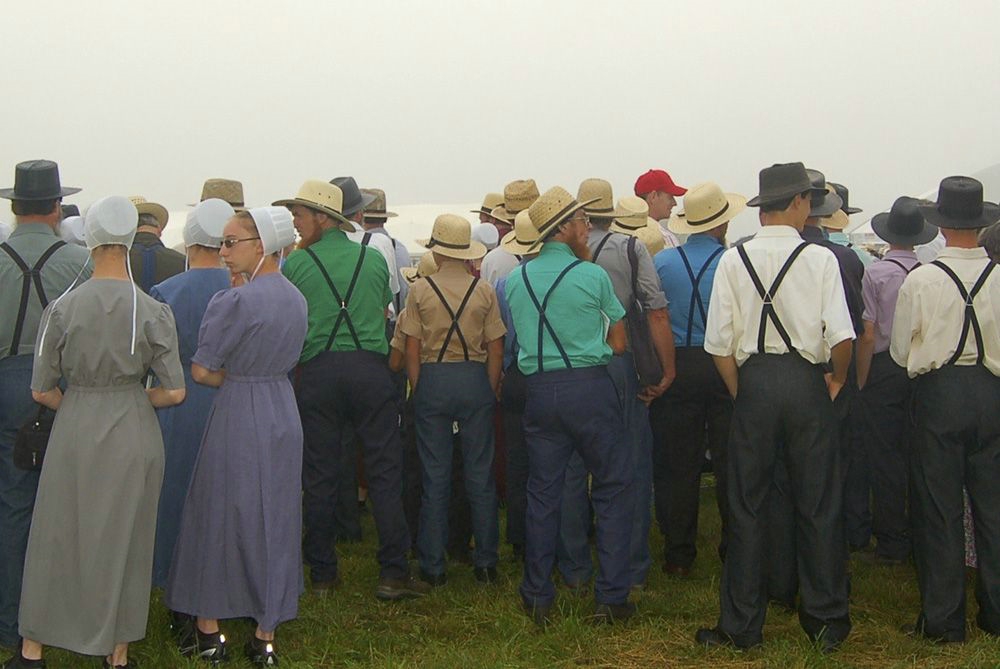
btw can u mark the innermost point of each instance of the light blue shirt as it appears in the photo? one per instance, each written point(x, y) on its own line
point(687, 320)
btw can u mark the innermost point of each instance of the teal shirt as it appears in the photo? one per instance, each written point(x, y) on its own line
point(366, 307)
point(580, 310)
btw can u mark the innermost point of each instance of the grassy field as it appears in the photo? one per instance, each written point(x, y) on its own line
point(465, 625)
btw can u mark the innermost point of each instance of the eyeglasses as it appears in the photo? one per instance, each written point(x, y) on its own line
point(230, 243)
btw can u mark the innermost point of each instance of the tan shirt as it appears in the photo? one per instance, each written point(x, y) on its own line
point(427, 319)
point(930, 312)
point(398, 340)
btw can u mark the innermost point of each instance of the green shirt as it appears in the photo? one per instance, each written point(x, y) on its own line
point(580, 310)
point(366, 307)
point(69, 263)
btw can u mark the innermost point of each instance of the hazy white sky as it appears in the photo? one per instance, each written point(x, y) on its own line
point(441, 101)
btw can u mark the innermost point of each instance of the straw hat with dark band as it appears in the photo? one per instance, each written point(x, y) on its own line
point(377, 207)
point(553, 207)
point(320, 196)
point(706, 207)
point(604, 205)
point(157, 211)
point(517, 196)
point(452, 237)
point(490, 202)
point(519, 240)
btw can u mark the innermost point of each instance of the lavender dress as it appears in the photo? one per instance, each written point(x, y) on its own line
point(238, 553)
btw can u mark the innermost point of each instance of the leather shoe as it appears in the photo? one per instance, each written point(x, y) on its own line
point(613, 613)
point(540, 614)
point(713, 637)
point(485, 575)
point(676, 569)
point(392, 589)
point(18, 661)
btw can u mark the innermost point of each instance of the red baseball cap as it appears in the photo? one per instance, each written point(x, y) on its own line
point(657, 180)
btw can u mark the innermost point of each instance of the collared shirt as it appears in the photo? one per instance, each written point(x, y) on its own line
point(930, 313)
point(402, 259)
point(615, 261)
point(580, 310)
point(166, 262)
point(678, 288)
point(30, 241)
point(851, 273)
point(511, 347)
point(398, 340)
point(497, 264)
point(880, 288)
point(809, 302)
point(383, 245)
point(841, 239)
point(366, 308)
point(671, 240)
point(428, 320)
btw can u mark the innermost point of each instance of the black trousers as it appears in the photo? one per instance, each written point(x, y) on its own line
point(514, 392)
point(691, 417)
point(883, 409)
point(956, 442)
point(783, 414)
point(354, 388)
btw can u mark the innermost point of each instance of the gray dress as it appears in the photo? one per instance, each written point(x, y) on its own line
point(90, 551)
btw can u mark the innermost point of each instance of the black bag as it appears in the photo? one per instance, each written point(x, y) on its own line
point(647, 361)
point(31, 440)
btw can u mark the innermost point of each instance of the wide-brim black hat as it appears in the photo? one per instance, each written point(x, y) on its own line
point(904, 224)
point(36, 180)
point(354, 199)
point(780, 182)
point(960, 206)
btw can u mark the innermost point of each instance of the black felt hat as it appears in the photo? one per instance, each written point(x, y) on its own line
point(841, 191)
point(36, 180)
point(960, 206)
point(354, 199)
point(904, 224)
point(780, 182)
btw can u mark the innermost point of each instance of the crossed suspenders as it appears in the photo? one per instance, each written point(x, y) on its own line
point(970, 322)
point(29, 276)
point(543, 321)
point(344, 316)
point(455, 315)
point(768, 312)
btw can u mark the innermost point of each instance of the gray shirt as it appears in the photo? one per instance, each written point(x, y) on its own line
point(614, 259)
point(402, 260)
point(30, 241)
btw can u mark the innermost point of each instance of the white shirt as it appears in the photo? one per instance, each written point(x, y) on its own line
point(930, 313)
point(497, 264)
point(671, 240)
point(810, 301)
point(383, 245)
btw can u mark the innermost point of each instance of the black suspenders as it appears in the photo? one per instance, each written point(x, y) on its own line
point(696, 300)
point(970, 311)
point(600, 247)
point(543, 321)
point(29, 275)
point(901, 265)
point(455, 315)
point(768, 311)
point(343, 316)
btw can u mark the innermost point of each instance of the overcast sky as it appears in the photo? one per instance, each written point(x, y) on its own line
point(442, 101)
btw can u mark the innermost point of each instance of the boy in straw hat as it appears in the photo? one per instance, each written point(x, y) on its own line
point(777, 313)
point(628, 264)
point(454, 352)
point(517, 197)
point(33, 244)
point(344, 380)
point(569, 324)
point(946, 333)
point(152, 262)
point(883, 400)
point(694, 413)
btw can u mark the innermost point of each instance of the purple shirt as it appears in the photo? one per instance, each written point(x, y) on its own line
point(880, 288)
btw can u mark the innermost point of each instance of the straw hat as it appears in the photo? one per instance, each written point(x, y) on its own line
point(228, 190)
point(517, 196)
point(425, 267)
point(651, 237)
point(519, 240)
point(323, 197)
point(706, 207)
point(552, 208)
point(490, 202)
point(157, 211)
point(838, 220)
point(603, 206)
point(377, 207)
point(452, 237)
point(631, 214)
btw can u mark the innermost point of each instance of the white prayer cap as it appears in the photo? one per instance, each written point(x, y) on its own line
point(71, 230)
point(274, 226)
point(4, 232)
point(486, 234)
point(205, 223)
point(110, 220)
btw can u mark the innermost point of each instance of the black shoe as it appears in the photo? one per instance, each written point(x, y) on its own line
point(957, 636)
point(540, 614)
point(211, 647)
point(485, 575)
point(323, 588)
point(433, 580)
point(606, 614)
point(825, 643)
point(392, 589)
point(261, 652)
point(18, 661)
point(180, 625)
point(713, 637)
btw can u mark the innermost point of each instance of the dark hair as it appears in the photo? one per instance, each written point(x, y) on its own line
point(33, 207)
point(783, 204)
point(989, 239)
point(246, 220)
point(148, 220)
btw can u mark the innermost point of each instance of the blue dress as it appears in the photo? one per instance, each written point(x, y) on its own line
point(238, 553)
point(182, 425)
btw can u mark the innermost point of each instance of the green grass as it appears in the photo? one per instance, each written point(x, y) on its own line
point(465, 625)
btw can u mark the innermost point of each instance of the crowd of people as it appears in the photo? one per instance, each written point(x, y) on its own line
point(220, 413)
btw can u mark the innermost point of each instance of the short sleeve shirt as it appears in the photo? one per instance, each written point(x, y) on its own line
point(880, 290)
point(687, 314)
point(613, 257)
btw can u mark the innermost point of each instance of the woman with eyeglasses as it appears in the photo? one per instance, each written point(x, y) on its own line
point(238, 553)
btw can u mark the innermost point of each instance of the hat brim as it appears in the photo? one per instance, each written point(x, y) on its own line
point(679, 225)
point(409, 274)
point(880, 226)
point(366, 199)
point(990, 215)
point(475, 251)
point(502, 214)
point(511, 244)
point(335, 215)
point(380, 214)
point(544, 231)
point(836, 221)
point(157, 211)
point(604, 213)
point(761, 200)
point(10, 194)
point(850, 211)
point(620, 227)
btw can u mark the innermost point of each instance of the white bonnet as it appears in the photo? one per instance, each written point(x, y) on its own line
point(205, 223)
point(110, 220)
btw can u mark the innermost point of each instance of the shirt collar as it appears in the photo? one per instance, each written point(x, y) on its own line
point(778, 231)
point(32, 229)
point(452, 268)
point(902, 255)
point(702, 239)
point(966, 254)
point(556, 248)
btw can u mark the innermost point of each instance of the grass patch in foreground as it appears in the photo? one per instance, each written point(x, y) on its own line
point(465, 625)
